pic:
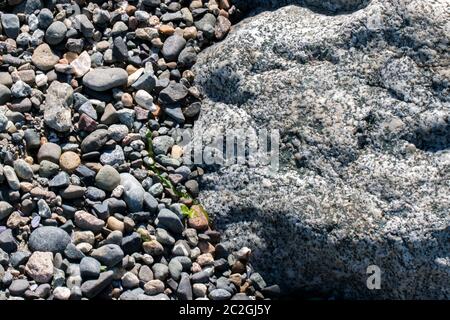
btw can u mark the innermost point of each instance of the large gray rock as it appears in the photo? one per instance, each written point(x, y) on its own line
point(324, 6)
point(361, 102)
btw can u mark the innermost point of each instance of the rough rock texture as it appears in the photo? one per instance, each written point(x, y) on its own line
point(361, 101)
point(323, 6)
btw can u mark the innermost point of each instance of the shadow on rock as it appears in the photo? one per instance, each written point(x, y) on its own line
point(327, 7)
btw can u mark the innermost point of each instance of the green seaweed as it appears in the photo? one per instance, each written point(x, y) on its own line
point(187, 212)
point(164, 181)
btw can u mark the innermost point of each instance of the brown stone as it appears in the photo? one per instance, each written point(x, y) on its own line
point(44, 58)
point(190, 33)
point(245, 287)
point(130, 10)
point(153, 248)
point(27, 76)
point(70, 56)
point(166, 30)
point(69, 161)
point(115, 224)
point(224, 4)
point(222, 27)
point(15, 220)
point(206, 247)
point(131, 69)
point(205, 259)
point(236, 279)
point(127, 99)
point(238, 267)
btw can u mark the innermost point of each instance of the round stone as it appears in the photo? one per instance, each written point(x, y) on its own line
point(23, 169)
point(115, 224)
point(18, 287)
point(130, 280)
point(48, 168)
point(61, 293)
point(69, 161)
point(50, 152)
point(94, 141)
point(48, 239)
point(107, 178)
point(87, 221)
point(187, 57)
point(45, 18)
point(153, 248)
point(160, 271)
point(154, 287)
point(118, 132)
point(11, 25)
point(162, 144)
point(199, 290)
point(219, 294)
point(127, 100)
point(170, 221)
point(55, 33)
point(89, 268)
point(109, 255)
point(5, 209)
point(172, 47)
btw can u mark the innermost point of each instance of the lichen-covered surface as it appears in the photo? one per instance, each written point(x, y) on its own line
point(361, 100)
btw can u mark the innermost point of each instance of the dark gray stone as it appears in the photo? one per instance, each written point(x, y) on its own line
point(7, 241)
point(184, 290)
point(5, 94)
point(55, 33)
point(173, 94)
point(73, 253)
point(92, 288)
point(219, 295)
point(51, 239)
point(172, 47)
point(45, 18)
point(94, 141)
point(145, 82)
point(11, 25)
point(18, 287)
point(187, 57)
point(109, 255)
point(89, 268)
point(170, 221)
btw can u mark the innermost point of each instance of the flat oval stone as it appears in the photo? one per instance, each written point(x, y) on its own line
point(94, 141)
point(102, 79)
point(47, 239)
